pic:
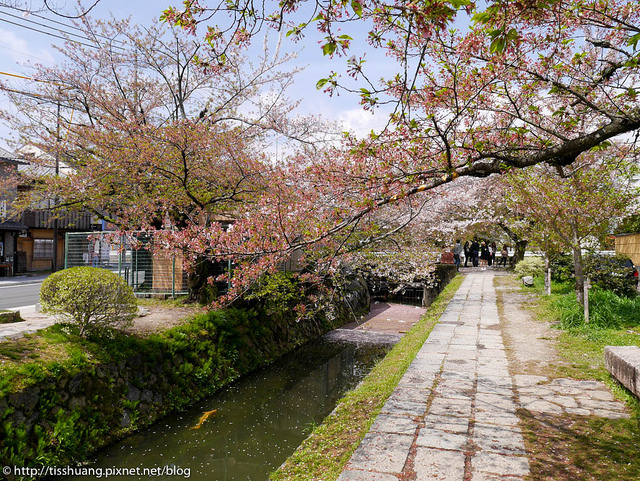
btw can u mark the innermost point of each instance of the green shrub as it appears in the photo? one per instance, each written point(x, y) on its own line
point(95, 300)
point(277, 293)
point(531, 266)
point(562, 268)
point(613, 273)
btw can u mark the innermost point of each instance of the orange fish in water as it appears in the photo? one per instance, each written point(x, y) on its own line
point(206, 415)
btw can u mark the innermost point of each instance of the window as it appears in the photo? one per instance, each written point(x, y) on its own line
point(43, 248)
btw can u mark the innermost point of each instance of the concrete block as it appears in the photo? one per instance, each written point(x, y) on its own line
point(623, 362)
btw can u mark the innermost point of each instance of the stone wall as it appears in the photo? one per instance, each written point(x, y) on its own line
point(73, 411)
point(419, 293)
point(444, 273)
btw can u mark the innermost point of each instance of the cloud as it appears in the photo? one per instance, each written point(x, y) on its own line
point(361, 122)
point(19, 50)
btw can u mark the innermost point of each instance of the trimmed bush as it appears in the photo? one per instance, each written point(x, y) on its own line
point(93, 299)
point(531, 266)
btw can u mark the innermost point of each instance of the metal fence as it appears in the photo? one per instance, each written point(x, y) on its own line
point(130, 257)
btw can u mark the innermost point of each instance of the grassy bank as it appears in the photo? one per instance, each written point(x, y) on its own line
point(62, 396)
point(572, 447)
point(323, 455)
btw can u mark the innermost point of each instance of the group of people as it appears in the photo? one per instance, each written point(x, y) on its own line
point(481, 254)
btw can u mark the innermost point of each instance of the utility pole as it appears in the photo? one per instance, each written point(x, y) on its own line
point(55, 200)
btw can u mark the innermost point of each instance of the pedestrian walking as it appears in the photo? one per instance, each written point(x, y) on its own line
point(504, 255)
point(457, 250)
point(467, 252)
point(484, 255)
point(492, 253)
point(475, 250)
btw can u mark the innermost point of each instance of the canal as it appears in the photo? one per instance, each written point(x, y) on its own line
point(248, 429)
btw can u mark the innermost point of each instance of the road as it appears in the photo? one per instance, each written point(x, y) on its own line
point(19, 294)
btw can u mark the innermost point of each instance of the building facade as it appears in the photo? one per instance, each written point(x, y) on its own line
point(29, 242)
point(11, 228)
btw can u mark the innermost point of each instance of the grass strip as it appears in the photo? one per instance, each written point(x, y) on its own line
point(582, 345)
point(323, 455)
point(569, 447)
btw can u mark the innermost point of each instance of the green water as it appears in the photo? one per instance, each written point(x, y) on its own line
point(259, 421)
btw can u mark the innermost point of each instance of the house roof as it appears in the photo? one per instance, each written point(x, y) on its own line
point(6, 156)
point(13, 226)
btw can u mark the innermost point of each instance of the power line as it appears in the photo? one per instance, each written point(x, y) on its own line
point(40, 97)
point(47, 33)
point(25, 54)
point(51, 20)
point(31, 78)
point(32, 94)
point(66, 35)
point(44, 26)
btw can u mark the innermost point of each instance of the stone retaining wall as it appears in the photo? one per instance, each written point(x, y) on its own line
point(444, 273)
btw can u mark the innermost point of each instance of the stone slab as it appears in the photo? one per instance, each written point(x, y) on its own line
point(410, 394)
point(451, 407)
point(351, 475)
point(438, 465)
point(623, 362)
point(389, 423)
point(499, 464)
point(494, 477)
point(385, 453)
point(432, 437)
point(498, 439)
point(393, 406)
point(447, 423)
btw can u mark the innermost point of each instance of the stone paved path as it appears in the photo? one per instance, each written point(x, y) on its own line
point(388, 317)
point(17, 330)
point(453, 415)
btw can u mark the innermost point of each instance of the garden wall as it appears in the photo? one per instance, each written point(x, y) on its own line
point(629, 245)
point(73, 410)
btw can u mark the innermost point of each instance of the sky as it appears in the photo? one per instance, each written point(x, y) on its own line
point(23, 42)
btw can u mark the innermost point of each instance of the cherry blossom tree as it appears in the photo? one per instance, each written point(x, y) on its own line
point(541, 82)
point(153, 142)
point(525, 83)
point(571, 205)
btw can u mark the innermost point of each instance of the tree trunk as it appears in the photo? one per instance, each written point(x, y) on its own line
point(547, 274)
point(520, 248)
point(520, 245)
point(578, 269)
point(200, 289)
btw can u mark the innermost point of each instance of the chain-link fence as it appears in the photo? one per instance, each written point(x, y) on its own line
point(130, 257)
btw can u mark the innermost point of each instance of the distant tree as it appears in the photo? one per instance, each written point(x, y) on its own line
point(571, 205)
